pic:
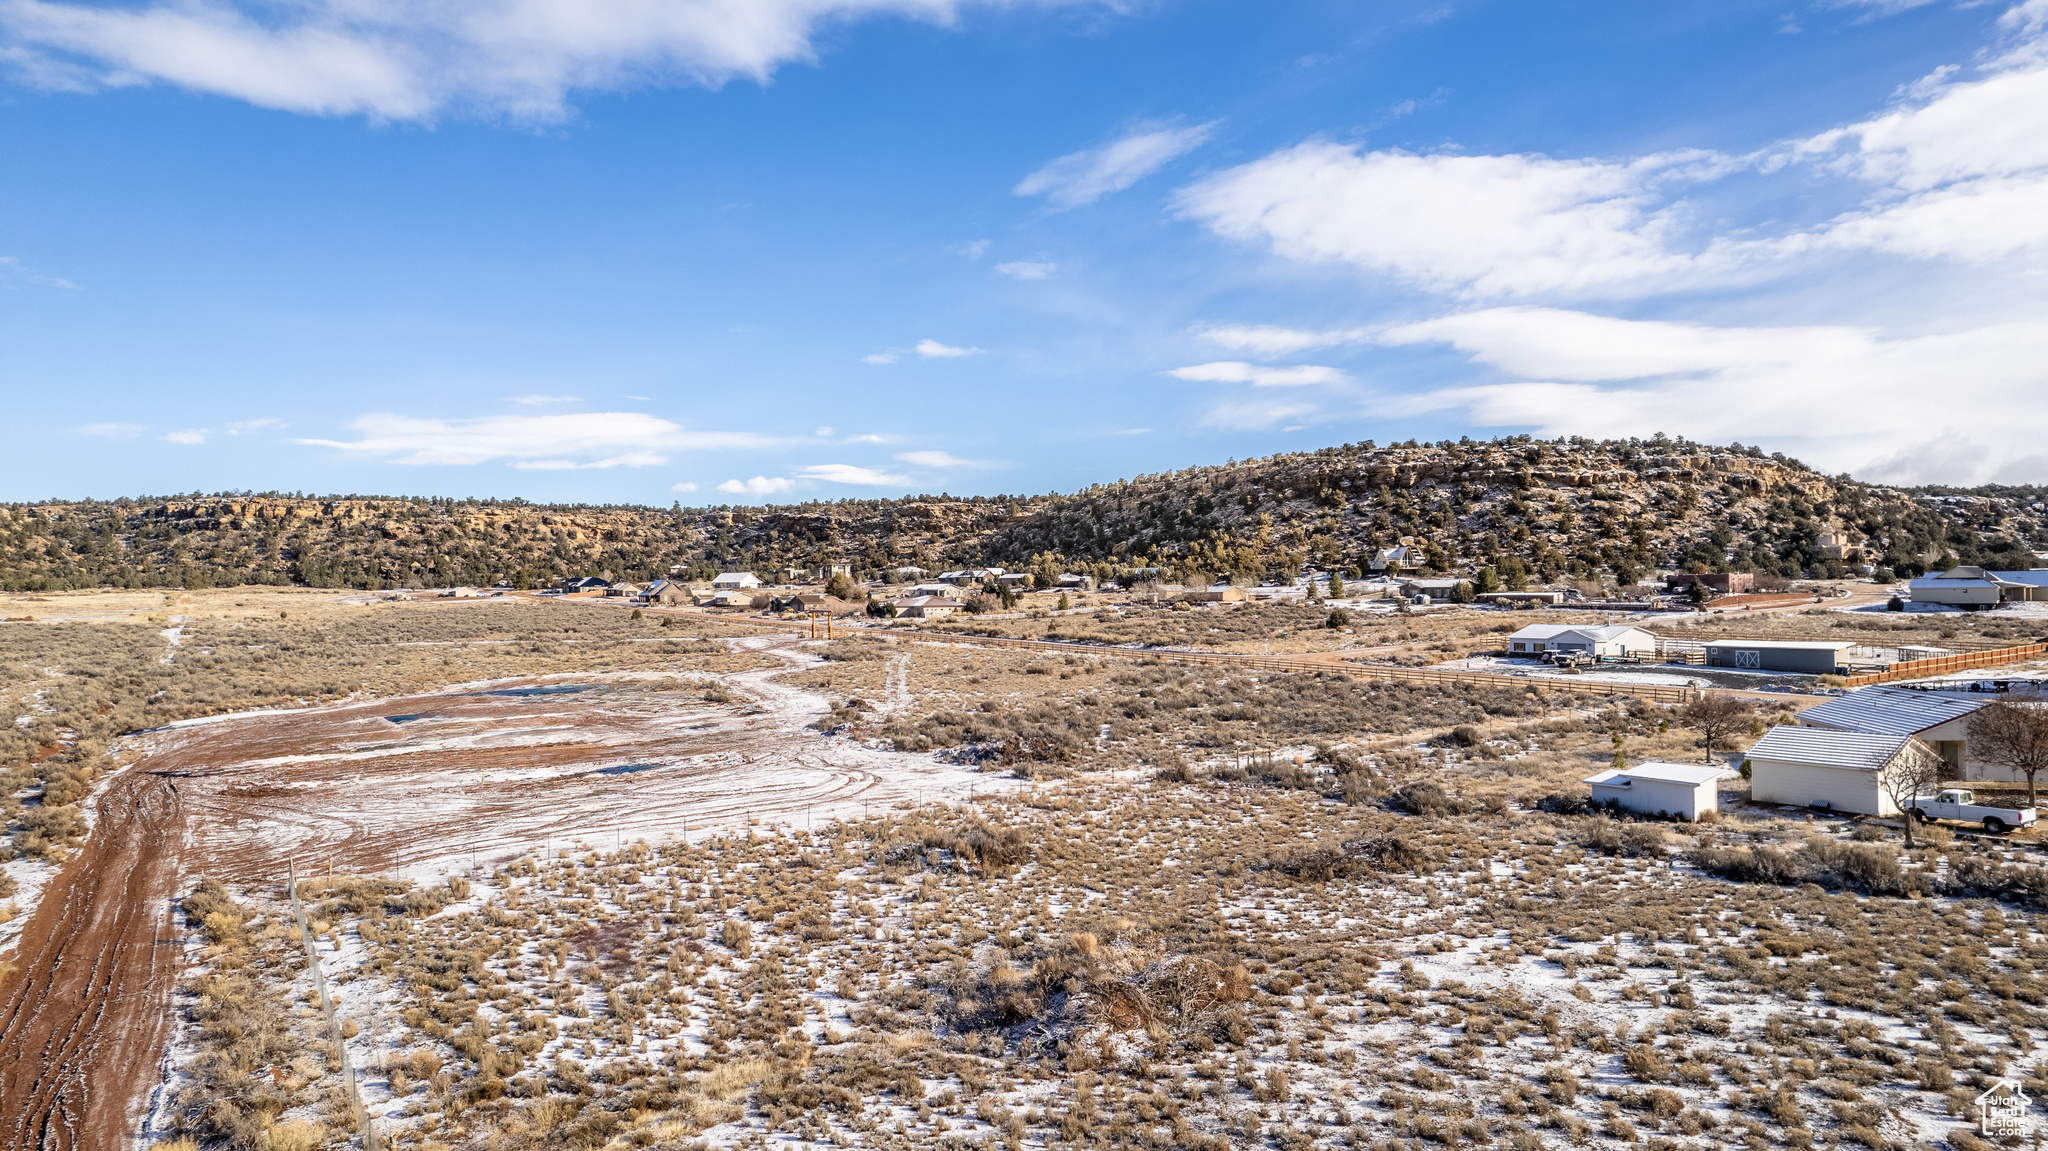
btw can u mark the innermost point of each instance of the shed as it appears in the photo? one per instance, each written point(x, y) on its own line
point(727, 580)
point(1686, 790)
point(1520, 597)
point(1611, 641)
point(1818, 767)
point(1940, 721)
point(1811, 657)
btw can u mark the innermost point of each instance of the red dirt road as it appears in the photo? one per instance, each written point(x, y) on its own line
point(423, 782)
point(85, 1020)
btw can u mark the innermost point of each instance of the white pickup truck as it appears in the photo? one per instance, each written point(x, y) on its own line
point(1956, 803)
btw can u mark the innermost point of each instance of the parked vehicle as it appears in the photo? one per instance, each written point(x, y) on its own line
point(1568, 658)
point(1957, 803)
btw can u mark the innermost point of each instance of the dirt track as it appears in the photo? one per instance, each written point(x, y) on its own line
point(82, 1026)
point(416, 783)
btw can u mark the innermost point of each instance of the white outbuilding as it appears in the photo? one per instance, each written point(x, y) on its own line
point(1685, 790)
point(735, 580)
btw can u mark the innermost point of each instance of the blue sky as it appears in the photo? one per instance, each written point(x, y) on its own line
point(771, 250)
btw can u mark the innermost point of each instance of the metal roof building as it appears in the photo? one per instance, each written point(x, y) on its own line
point(1822, 767)
point(1686, 790)
point(1884, 710)
point(1804, 656)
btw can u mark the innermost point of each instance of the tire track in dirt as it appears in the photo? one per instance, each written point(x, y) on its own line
point(426, 781)
point(82, 1024)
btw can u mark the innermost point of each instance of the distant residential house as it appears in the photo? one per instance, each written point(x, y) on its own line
point(1613, 640)
point(1017, 581)
point(585, 583)
point(1972, 587)
point(1515, 597)
point(732, 580)
point(927, 607)
point(1835, 770)
point(732, 597)
point(1436, 589)
point(826, 571)
point(1400, 559)
point(939, 589)
point(799, 602)
point(623, 589)
point(1727, 583)
point(663, 591)
point(1685, 790)
point(967, 577)
point(1225, 594)
point(1070, 581)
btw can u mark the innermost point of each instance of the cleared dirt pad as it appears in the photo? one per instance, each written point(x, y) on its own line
point(416, 783)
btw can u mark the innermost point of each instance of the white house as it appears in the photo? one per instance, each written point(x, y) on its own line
point(1599, 642)
point(733, 580)
point(927, 607)
point(1820, 767)
point(1938, 720)
point(1686, 790)
point(1973, 587)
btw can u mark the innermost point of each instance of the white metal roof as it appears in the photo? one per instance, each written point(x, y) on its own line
point(1590, 631)
point(1665, 772)
point(1783, 644)
point(1889, 711)
point(1825, 747)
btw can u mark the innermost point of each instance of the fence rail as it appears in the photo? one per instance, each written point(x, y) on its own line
point(1921, 668)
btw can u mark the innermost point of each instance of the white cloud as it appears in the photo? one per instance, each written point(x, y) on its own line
point(940, 460)
point(973, 250)
point(618, 439)
point(124, 431)
point(934, 350)
point(395, 60)
point(12, 269)
point(1084, 177)
point(822, 431)
point(849, 474)
point(1268, 340)
point(190, 436)
point(249, 427)
point(1475, 226)
point(628, 460)
point(1248, 415)
point(1962, 164)
point(758, 486)
point(879, 358)
point(685, 486)
point(1028, 269)
point(537, 400)
point(870, 438)
point(1259, 375)
point(1841, 398)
